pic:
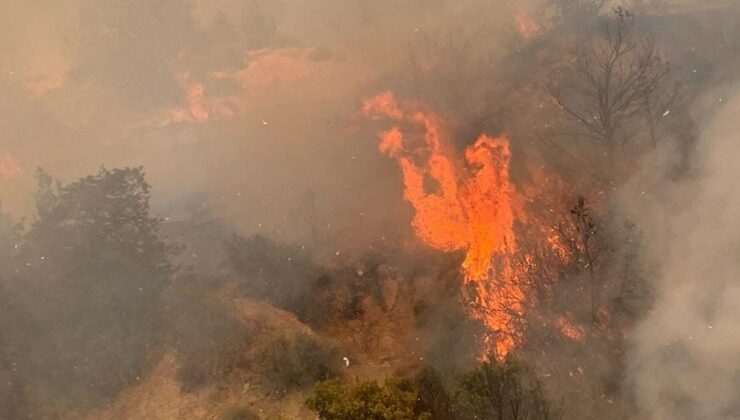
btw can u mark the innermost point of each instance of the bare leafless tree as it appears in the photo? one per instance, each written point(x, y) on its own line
point(585, 230)
point(612, 80)
point(443, 67)
point(656, 106)
point(576, 256)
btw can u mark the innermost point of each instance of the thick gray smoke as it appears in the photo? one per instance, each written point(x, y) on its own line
point(686, 357)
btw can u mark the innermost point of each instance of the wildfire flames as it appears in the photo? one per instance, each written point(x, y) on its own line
point(461, 204)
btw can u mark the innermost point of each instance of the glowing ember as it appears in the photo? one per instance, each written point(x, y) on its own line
point(461, 204)
point(197, 102)
point(526, 26)
point(43, 84)
point(200, 108)
point(568, 329)
point(9, 167)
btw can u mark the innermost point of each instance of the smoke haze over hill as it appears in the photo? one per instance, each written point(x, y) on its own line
point(414, 186)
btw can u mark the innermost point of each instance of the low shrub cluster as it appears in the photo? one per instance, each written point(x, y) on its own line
point(297, 359)
point(506, 390)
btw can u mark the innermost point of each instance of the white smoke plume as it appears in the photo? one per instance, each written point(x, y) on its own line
point(686, 357)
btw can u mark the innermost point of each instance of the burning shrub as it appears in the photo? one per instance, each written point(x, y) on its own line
point(470, 211)
point(396, 399)
point(297, 359)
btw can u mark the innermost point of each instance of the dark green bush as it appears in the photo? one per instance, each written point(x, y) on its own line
point(507, 390)
point(395, 399)
point(297, 359)
point(433, 396)
point(85, 281)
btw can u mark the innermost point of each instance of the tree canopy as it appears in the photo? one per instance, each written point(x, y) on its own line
point(85, 281)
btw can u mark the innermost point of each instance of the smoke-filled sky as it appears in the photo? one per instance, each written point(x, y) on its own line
point(244, 104)
point(245, 107)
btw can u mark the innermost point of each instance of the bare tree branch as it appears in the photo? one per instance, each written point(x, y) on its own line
point(613, 78)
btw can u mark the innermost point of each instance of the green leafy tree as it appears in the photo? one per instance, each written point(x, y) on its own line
point(433, 395)
point(87, 281)
point(13, 393)
point(502, 391)
point(13, 389)
point(395, 399)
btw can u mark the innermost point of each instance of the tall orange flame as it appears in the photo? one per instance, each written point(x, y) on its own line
point(460, 204)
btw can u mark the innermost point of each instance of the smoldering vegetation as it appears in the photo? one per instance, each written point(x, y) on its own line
point(214, 233)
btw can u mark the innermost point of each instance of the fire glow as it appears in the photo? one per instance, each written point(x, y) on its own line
point(10, 167)
point(460, 204)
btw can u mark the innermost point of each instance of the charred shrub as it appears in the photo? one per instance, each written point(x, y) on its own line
point(280, 274)
point(209, 343)
point(239, 413)
point(420, 310)
point(297, 359)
